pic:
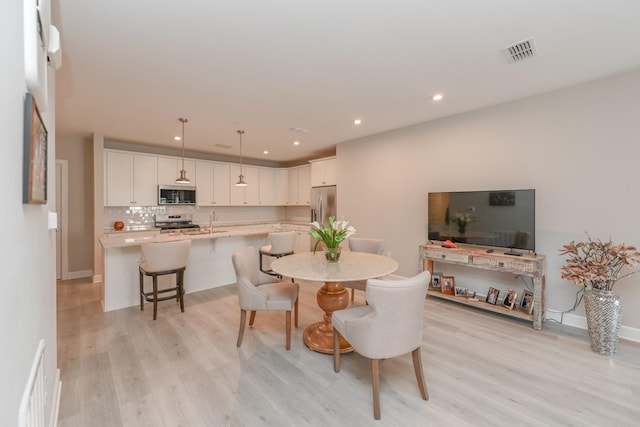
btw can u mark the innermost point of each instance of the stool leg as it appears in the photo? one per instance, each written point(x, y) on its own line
point(155, 296)
point(252, 318)
point(141, 291)
point(181, 290)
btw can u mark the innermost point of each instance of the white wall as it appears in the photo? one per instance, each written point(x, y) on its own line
point(578, 148)
point(28, 287)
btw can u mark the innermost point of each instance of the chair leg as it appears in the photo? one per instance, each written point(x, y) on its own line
point(353, 294)
point(336, 350)
point(155, 296)
point(417, 367)
point(295, 311)
point(252, 318)
point(375, 381)
point(243, 320)
point(288, 327)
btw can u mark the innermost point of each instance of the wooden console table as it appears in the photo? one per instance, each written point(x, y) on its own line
point(477, 257)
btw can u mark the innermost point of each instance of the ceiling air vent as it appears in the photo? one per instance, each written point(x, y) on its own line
point(521, 50)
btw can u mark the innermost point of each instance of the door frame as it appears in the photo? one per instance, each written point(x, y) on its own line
point(62, 206)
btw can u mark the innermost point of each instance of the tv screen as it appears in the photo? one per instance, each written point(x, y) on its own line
point(499, 218)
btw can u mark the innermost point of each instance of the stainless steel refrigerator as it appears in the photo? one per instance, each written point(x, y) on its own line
point(323, 205)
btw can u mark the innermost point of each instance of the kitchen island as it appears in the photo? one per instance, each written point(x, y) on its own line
point(209, 264)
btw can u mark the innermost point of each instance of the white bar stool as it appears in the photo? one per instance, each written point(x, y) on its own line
point(282, 244)
point(160, 259)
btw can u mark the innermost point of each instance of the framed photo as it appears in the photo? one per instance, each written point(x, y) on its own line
point(459, 291)
point(526, 304)
point(492, 295)
point(448, 284)
point(510, 299)
point(34, 185)
point(436, 279)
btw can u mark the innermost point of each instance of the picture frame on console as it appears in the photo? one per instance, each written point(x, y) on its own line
point(448, 284)
point(526, 304)
point(436, 278)
point(510, 299)
point(460, 291)
point(492, 295)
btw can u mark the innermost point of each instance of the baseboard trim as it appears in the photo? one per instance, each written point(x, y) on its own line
point(78, 274)
point(55, 402)
point(569, 319)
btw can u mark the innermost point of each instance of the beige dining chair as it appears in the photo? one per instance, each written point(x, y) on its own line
point(281, 243)
point(361, 244)
point(390, 326)
point(260, 292)
point(161, 259)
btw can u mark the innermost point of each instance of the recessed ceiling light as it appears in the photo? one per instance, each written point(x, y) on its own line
point(265, 152)
point(296, 142)
point(177, 138)
point(437, 97)
point(357, 122)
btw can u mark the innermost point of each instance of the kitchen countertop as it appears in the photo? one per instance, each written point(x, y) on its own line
point(152, 235)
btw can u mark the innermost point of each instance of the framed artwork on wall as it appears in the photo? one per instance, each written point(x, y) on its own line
point(36, 39)
point(34, 182)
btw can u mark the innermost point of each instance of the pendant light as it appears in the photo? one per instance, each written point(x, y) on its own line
point(241, 182)
point(182, 179)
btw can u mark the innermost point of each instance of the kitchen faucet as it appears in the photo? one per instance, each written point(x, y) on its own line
point(212, 218)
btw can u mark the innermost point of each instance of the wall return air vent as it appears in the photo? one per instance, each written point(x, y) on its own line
point(521, 50)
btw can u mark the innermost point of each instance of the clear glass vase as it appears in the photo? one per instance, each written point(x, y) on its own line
point(332, 254)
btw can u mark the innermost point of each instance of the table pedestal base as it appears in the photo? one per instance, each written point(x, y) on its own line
point(319, 336)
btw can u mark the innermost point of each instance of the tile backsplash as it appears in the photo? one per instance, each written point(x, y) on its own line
point(143, 216)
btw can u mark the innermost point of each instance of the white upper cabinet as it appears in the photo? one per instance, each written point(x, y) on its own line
point(213, 183)
point(282, 187)
point(130, 179)
point(267, 184)
point(323, 172)
point(169, 170)
point(300, 186)
point(244, 196)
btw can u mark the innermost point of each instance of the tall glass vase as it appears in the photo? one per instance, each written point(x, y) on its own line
point(604, 314)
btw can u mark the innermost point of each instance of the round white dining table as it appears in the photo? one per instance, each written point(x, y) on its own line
point(332, 295)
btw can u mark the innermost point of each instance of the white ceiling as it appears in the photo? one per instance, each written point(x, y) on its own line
point(132, 68)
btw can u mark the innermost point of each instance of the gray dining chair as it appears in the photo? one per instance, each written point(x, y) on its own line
point(390, 326)
point(361, 244)
point(260, 292)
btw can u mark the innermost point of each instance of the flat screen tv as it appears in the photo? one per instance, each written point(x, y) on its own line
point(496, 218)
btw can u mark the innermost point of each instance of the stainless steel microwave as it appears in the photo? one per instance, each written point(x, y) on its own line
point(176, 195)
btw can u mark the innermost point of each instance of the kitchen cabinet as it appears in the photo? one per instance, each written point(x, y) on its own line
point(244, 196)
point(267, 186)
point(282, 187)
point(323, 172)
point(169, 169)
point(130, 179)
point(300, 186)
point(213, 183)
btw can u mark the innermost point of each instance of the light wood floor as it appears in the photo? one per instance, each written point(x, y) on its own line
point(123, 369)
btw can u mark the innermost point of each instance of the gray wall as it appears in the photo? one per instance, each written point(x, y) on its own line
point(28, 286)
point(578, 148)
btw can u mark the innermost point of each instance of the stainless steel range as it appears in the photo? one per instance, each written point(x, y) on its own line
point(171, 222)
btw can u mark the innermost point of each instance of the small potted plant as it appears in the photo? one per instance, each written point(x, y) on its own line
point(596, 266)
point(332, 235)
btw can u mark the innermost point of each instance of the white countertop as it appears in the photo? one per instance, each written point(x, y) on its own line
point(133, 238)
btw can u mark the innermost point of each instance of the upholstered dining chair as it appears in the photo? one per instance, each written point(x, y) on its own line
point(360, 244)
point(161, 259)
point(390, 326)
point(260, 292)
point(281, 243)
